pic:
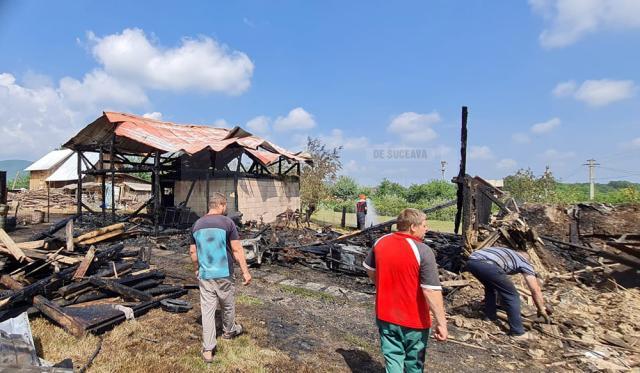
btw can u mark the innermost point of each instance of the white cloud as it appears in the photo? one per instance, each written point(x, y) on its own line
point(336, 138)
point(154, 115)
point(555, 155)
point(565, 89)
point(480, 153)
point(414, 127)
point(597, 92)
point(635, 143)
point(297, 119)
point(259, 124)
point(603, 92)
point(507, 164)
point(33, 120)
point(521, 138)
point(567, 21)
point(97, 87)
point(545, 127)
point(201, 64)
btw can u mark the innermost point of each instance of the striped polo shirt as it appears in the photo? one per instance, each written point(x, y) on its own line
point(509, 260)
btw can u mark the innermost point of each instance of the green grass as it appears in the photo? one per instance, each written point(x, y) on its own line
point(306, 293)
point(333, 217)
point(248, 300)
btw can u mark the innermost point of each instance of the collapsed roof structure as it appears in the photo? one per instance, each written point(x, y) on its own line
point(182, 158)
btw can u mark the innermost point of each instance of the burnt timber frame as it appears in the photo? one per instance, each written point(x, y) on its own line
point(165, 168)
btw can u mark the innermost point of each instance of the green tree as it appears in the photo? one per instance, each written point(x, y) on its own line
point(20, 182)
point(433, 190)
point(314, 180)
point(345, 188)
point(390, 188)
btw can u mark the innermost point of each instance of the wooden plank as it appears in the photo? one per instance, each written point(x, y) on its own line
point(10, 283)
point(99, 232)
point(15, 251)
point(56, 313)
point(69, 234)
point(86, 262)
point(31, 245)
point(101, 238)
point(454, 283)
point(125, 291)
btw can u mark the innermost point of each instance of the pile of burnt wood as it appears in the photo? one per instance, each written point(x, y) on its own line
point(80, 280)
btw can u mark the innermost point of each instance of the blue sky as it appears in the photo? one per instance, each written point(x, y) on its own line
point(547, 82)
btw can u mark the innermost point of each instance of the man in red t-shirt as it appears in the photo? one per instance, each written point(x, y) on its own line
point(405, 272)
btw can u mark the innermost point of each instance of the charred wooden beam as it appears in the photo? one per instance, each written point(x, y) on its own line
point(52, 230)
point(57, 314)
point(125, 291)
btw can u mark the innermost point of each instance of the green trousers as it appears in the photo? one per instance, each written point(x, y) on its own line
point(404, 349)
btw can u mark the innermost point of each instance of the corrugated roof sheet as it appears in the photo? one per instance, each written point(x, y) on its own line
point(50, 160)
point(138, 134)
point(69, 169)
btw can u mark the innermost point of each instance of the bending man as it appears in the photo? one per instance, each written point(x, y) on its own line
point(491, 266)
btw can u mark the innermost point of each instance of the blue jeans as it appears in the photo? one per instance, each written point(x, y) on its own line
point(495, 280)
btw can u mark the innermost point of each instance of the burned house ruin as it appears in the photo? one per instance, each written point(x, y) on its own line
point(187, 163)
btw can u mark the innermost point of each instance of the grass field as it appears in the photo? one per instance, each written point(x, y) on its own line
point(334, 217)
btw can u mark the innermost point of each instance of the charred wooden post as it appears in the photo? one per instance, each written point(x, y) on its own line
point(79, 188)
point(463, 168)
point(112, 168)
point(3, 187)
point(157, 197)
point(103, 188)
point(343, 220)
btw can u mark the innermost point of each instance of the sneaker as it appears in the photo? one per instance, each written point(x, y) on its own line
point(236, 332)
point(523, 337)
point(207, 355)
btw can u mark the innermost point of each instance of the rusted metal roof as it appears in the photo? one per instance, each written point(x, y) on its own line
point(137, 134)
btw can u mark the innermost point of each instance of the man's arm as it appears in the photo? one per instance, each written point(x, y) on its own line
point(238, 254)
point(194, 257)
point(536, 293)
point(436, 305)
point(432, 290)
point(372, 276)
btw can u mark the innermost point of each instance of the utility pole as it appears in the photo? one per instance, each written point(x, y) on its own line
point(592, 188)
point(443, 167)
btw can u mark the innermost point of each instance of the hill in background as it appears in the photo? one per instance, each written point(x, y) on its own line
point(14, 165)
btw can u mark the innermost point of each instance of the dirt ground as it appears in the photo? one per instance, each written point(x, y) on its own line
point(295, 319)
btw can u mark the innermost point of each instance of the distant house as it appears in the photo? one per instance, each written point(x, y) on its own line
point(57, 169)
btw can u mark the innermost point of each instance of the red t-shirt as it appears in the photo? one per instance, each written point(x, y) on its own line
point(404, 266)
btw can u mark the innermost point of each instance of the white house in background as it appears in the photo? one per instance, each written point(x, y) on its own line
point(57, 169)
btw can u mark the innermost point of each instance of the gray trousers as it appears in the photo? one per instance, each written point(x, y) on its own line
point(212, 292)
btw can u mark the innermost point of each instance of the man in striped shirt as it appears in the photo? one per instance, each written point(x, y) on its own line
point(492, 267)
